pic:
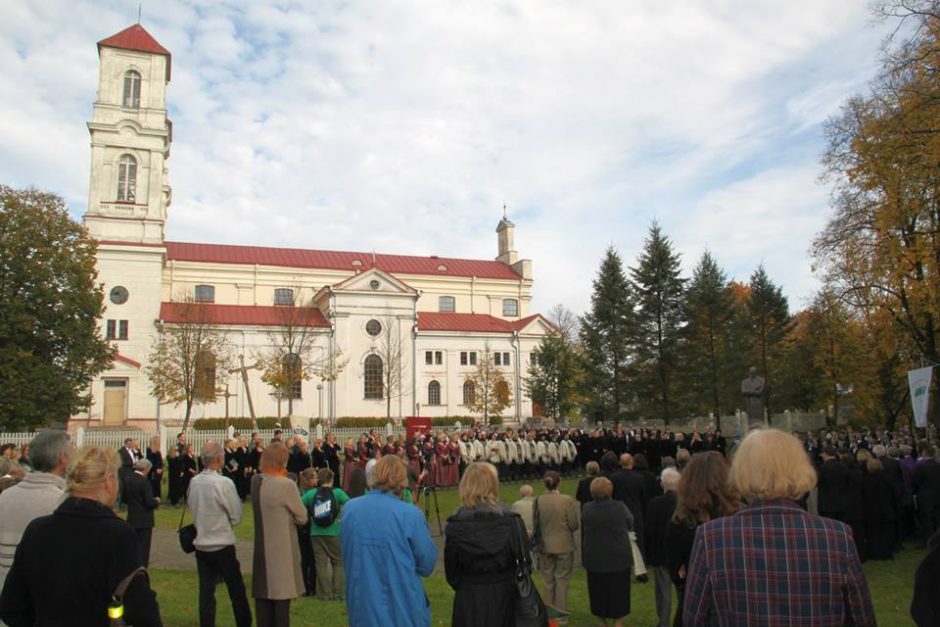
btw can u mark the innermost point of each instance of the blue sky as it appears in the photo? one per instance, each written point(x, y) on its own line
point(403, 127)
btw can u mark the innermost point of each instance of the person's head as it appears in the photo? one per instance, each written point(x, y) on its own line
point(181, 438)
point(274, 459)
point(703, 492)
point(479, 485)
point(626, 461)
point(874, 466)
point(592, 468)
point(526, 491)
point(683, 457)
point(308, 479)
point(670, 479)
point(50, 452)
point(601, 488)
point(770, 464)
point(879, 450)
point(155, 443)
point(325, 477)
point(143, 465)
point(93, 474)
point(862, 456)
point(212, 455)
point(128, 442)
point(370, 471)
point(609, 461)
point(668, 461)
point(391, 475)
point(551, 480)
point(348, 443)
point(640, 462)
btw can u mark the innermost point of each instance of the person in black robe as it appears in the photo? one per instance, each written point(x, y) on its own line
point(881, 507)
point(155, 457)
point(174, 466)
point(331, 452)
point(317, 455)
point(188, 470)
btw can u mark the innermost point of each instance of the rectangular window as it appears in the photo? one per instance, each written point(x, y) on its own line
point(110, 330)
point(438, 358)
point(283, 296)
point(122, 329)
point(468, 358)
point(510, 307)
point(501, 359)
point(428, 357)
point(534, 359)
point(473, 358)
point(463, 358)
point(204, 294)
point(446, 304)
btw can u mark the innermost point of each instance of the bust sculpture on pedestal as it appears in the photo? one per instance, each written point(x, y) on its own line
point(752, 388)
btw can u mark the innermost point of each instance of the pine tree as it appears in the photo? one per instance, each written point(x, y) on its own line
point(709, 307)
point(659, 318)
point(605, 338)
point(769, 317)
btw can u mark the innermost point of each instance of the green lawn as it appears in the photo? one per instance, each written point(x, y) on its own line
point(890, 582)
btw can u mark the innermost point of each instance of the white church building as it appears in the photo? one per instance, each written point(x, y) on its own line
point(443, 313)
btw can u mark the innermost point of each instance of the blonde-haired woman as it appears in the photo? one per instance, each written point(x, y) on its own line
point(772, 562)
point(155, 457)
point(276, 503)
point(479, 551)
point(69, 564)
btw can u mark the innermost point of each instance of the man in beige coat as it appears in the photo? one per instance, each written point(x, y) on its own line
point(557, 520)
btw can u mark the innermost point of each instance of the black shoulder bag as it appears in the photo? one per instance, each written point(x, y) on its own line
point(116, 608)
point(187, 534)
point(529, 609)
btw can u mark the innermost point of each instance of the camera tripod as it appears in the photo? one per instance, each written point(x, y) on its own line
point(429, 490)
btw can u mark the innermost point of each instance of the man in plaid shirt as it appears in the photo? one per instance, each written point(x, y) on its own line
point(772, 563)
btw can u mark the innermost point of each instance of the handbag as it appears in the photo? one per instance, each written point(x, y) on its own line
point(529, 608)
point(116, 607)
point(535, 544)
point(187, 534)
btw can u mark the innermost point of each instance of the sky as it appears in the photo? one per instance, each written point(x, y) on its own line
point(405, 127)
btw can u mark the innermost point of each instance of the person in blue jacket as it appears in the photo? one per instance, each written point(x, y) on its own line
point(386, 549)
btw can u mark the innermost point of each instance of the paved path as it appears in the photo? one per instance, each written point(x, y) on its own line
point(165, 552)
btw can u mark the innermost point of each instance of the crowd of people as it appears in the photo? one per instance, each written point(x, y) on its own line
point(737, 541)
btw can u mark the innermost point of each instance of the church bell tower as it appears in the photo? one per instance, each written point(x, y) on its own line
point(130, 140)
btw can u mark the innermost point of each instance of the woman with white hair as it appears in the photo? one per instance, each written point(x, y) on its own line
point(69, 564)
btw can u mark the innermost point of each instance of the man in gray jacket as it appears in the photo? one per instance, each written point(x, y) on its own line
point(38, 494)
point(216, 509)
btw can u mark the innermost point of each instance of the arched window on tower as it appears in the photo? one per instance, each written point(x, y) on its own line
point(372, 377)
point(131, 98)
point(434, 393)
point(127, 179)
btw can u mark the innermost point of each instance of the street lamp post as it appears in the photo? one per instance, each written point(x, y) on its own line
point(320, 392)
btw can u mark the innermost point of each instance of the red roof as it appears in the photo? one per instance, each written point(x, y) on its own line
point(338, 260)
point(127, 360)
point(135, 37)
point(470, 323)
point(243, 315)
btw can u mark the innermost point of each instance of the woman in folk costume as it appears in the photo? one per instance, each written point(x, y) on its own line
point(541, 452)
point(413, 455)
point(453, 469)
point(363, 451)
point(441, 460)
point(350, 462)
point(554, 459)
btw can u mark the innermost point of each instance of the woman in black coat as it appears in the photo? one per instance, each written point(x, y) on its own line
point(606, 552)
point(174, 469)
point(881, 509)
point(187, 469)
point(479, 552)
point(69, 564)
point(155, 457)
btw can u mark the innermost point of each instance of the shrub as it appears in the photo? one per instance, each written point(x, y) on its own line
point(240, 424)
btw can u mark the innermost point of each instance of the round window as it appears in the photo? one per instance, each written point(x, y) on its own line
point(374, 284)
point(118, 295)
point(373, 327)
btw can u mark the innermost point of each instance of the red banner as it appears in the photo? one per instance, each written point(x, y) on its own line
point(415, 425)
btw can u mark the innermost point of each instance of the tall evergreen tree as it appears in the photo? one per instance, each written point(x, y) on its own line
point(769, 318)
point(605, 337)
point(659, 318)
point(553, 375)
point(709, 310)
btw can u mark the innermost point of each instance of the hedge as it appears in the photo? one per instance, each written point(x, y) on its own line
point(240, 424)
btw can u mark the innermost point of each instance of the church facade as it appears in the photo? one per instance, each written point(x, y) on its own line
point(388, 335)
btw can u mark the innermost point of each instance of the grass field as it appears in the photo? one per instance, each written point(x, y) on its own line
point(890, 582)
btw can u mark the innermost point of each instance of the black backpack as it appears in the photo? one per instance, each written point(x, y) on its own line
point(323, 508)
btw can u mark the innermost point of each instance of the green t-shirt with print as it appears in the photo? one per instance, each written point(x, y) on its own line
point(333, 530)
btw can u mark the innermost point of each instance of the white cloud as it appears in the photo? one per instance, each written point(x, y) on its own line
point(405, 126)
